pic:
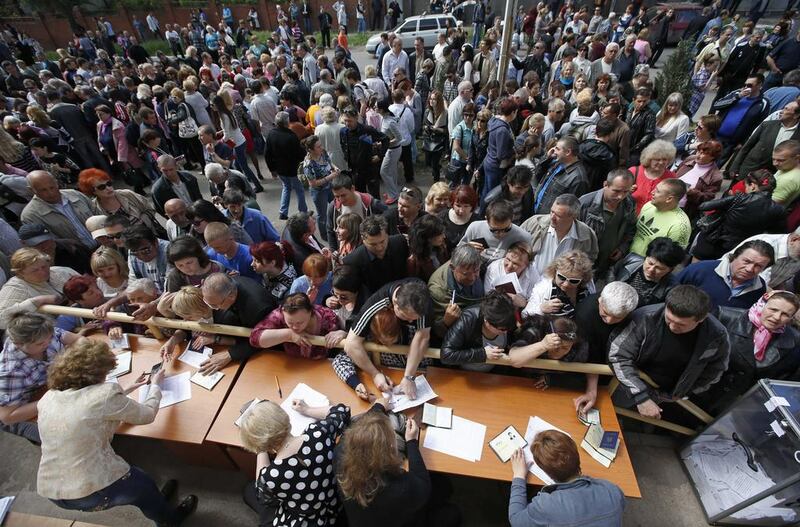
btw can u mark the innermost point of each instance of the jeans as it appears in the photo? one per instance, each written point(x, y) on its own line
point(134, 488)
point(321, 197)
point(307, 24)
point(389, 173)
point(476, 36)
point(241, 162)
point(493, 175)
point(362, 25)
point(288, 184)
point(27, 429)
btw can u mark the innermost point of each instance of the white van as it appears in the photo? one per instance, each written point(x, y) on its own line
point(426, 26)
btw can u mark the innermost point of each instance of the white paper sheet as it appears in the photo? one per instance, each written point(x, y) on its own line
point(774, 402)
point(123, 366)
point(194, 358)
point(5, 506)
point(311, 397)
point(536, 425)
point(400, 401)
point(174, 389)
point(437, 416)
point(207, 381)
point(464, 440)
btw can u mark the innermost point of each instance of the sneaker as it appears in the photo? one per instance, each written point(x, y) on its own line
point(169, 489)
point(186, 508)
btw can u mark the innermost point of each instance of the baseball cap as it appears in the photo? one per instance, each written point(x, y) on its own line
point(96, 226)
point(32, 234)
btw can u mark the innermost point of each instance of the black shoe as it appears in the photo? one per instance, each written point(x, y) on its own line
point(169, 489)
point(260, 177)
point(283, 217)
point(187, 507)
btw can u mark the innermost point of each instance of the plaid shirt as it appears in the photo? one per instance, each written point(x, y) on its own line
point(21, 375)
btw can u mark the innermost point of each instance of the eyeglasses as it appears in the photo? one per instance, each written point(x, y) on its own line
point(749, 85)
point(197, 223)
point(500, 231)
point(103, 186)
point(573, 281)
point(147, 249)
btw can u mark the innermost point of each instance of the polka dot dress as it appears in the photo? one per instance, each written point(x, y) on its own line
point(304, 486)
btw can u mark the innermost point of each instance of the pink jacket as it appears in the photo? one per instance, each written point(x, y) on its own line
point(125, 153)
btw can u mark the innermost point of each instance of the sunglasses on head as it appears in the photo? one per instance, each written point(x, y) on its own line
point(103, 186)
point(573, 281)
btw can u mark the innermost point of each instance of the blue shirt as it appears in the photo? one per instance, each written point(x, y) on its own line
point(241, 261)
point(735, 115)
point(704, 275)
point(301, 284)
point(257, 226)
point(583, 501)
point(780, 96)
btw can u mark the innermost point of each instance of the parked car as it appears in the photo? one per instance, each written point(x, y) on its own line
point(684, 13)
point(426, 26)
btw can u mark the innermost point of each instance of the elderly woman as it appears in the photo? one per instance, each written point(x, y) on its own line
point(764, 345)
point(655, 161)
point(31, 345)
point(35, 282)
point(316, 279)
point(328, 133)
point(78, 417)
point(566, 281)
point(111, 139)
point(702, 176)
point(280, 493)
point(107, 201)
point(111, 271)
point(190, 264)
point(518, 261)
point(671, 122)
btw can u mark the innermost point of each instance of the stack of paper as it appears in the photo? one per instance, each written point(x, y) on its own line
point(207, 381)
point(399, 401)
point(123, 366)
point(311, 397)
point(438, 416)
point(536, 425)
point(464, 440)
point(601, 445)
point(174, 389)
point(194, 358)
point(5, 506)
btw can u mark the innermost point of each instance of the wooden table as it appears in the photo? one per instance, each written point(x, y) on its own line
point(493, 400)
point(187, 421)
point(20, 519)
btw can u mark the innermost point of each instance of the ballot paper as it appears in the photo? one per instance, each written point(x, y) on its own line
point(536, 425)
point(437, 416)
point(174, 389)
point(399, 401)
point(464, 440)
point(121, 343)
point(207, 381)
point(123, 366)
point(194, 358)
point(5, 506)
point(312, 398)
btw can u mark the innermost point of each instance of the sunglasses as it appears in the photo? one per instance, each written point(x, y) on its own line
point(143, 250)
point(197, 223)
point(573, 281)
point(103, 186)
point(498, 231)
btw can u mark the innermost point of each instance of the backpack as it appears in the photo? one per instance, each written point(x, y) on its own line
point(366, 90)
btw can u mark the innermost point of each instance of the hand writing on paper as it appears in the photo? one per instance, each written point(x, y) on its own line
point(215, 362)
point(167, 349)
point(362, 392)
point(649, 409)
point(519, 467)
point(409, 388)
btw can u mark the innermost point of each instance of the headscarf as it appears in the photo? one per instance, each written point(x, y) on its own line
point(762, 335)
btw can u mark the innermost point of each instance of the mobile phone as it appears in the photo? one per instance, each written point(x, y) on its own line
point(481, 241)
point(153, 371)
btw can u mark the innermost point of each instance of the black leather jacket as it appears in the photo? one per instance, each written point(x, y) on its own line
point(643, 128)
point(463, 341)
point(743, 216)
point(625, 269)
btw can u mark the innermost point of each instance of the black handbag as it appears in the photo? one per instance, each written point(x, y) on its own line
point(708, 223)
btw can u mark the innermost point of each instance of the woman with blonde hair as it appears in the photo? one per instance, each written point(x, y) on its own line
point(671, 122)
point(35, 282)
point(438, 198)
point(78, 417)
point(111, 271)
point(16, 154)
point(655, 160)
point(40, 119)
point(288, 465)
point(566, 282)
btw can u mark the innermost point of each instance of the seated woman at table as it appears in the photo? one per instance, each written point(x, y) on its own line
point(32, 343)
point(764, 345)
point(274, 260)
point(518, 260)
point(316, 281)
point(574, 499)
point(190, 264)
point(288, 467)
point(547, 338)
point(375, 488)
point(480, 334)
point(111, 271)
point(188, 304)
point(566, 281)
point(78, 417)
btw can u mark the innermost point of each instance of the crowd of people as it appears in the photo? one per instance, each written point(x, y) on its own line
point(633, 230)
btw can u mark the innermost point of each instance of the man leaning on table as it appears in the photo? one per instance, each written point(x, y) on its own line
point(411, 303)
point(574, 499)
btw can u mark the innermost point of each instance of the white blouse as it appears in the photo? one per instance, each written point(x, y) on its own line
point(673, 128)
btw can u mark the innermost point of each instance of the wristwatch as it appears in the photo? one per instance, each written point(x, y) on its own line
point(409, 377)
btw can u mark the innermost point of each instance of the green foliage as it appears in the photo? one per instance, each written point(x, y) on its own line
point(143, 5)
point(152, 46)
point(676, 76)
point(192, 3)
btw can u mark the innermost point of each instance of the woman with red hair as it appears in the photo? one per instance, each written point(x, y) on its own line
point(274, 261)
point(461, 213)
point(317, 280)
point(702, 176)
point(106, 201)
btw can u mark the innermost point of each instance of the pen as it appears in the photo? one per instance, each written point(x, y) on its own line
point(278, 384)
point(453, 298)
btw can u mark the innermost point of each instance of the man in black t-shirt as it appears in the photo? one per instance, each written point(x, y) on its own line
point(678, 344)
point(411, 303)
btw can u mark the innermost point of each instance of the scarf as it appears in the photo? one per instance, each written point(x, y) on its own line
point(762, 335)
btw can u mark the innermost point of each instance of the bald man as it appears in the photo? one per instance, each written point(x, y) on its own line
point(63, 212)
point(173, 183)
point(177, 222)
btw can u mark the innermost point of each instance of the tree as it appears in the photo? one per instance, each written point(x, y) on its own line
point(676, 76)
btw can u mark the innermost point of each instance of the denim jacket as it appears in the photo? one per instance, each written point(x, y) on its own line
point(585, 502)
